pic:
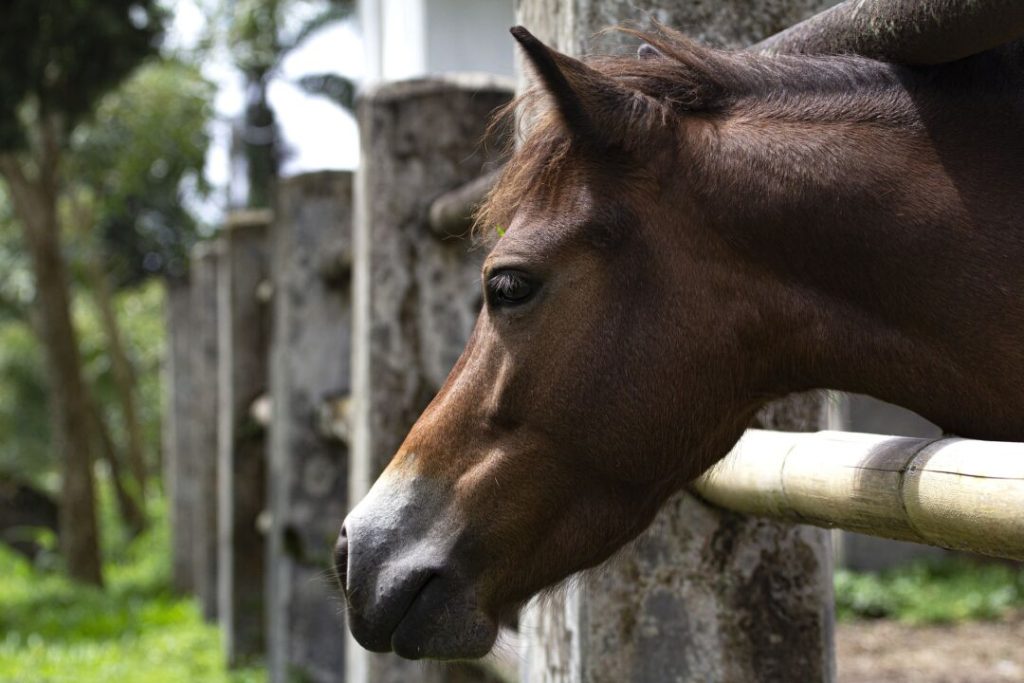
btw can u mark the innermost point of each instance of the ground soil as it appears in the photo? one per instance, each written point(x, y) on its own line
point(890, 652)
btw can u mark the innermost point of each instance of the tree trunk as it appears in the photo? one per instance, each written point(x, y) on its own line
point(24, 511)
point(260, 140)
point(123, 374)
point(35, 204)
point(132, 515)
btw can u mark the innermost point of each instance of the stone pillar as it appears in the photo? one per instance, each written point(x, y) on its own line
point(203, 411)
point(416, 295)
point(180, 465)
point(705, 596)
point(243, 335)
point(311, 256)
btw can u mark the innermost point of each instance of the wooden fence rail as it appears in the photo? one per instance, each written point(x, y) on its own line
point(954, 493)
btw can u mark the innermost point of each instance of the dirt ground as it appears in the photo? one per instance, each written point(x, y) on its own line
point(889, 652)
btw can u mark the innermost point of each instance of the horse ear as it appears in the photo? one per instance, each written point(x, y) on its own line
point(648, 51)
point(592, 105)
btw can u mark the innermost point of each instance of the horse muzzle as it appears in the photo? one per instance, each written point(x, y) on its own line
point(404, 588)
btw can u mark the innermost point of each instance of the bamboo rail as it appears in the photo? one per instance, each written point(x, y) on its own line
point(950, 492)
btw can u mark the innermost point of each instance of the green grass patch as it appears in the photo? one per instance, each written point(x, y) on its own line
point(931, 592)
point(133, 631)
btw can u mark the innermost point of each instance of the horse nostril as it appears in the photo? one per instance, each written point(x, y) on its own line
point(341, 559)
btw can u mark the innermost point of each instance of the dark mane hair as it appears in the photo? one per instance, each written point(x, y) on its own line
point(686, 79)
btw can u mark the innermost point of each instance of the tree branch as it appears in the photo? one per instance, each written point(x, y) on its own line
point(49, 154)
point(24, 197)
point(11, 172)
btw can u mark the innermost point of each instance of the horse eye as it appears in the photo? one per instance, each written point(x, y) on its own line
point(508, 288)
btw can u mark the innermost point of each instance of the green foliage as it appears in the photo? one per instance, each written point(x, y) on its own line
point(149, 130)
point(58, 56)
point(52, 630)
point(129, 160)
point(25, 451)
point(931, 592)
point(24, 419)
point(140, 311)
point(82, 160)
point(253, 35)
point(16, 284)
point(260, 34)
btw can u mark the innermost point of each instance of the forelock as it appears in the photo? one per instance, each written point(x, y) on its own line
point(545, 158)
point(688, 78)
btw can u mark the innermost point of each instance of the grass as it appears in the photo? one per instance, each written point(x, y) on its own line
point(133, 631)
point(931, 592)
point(137, 631)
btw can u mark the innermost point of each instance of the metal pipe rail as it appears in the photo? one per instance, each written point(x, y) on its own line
point(950, 492)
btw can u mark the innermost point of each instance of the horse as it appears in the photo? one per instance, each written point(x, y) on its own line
point(680, 237)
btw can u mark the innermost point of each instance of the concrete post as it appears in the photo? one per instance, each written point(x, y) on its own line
point(416, 295)
point(704, 596)
point(243, 335)
point(203, 415)
point(180, 462)
point(311, 255)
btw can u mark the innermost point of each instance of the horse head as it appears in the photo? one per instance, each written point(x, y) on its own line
point(608, 367)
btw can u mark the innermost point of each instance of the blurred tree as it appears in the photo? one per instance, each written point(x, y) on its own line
point(56, 58)
point(260, 38)
point(136, 158)
point(15, 274)
point(25, 444)
point(124, 183)
point(25, 448)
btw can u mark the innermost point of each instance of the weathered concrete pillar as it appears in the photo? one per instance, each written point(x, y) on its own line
point(311, 256)
point(179, 461)
point(704, 596)
point(243, 336)
point(416, 295)
point(203, 408)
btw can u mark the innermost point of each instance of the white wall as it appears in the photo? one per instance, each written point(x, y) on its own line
point(470, 35)
point(412, 38)
point(404, 39)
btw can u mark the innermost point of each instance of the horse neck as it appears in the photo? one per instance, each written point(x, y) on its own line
point(894, 265)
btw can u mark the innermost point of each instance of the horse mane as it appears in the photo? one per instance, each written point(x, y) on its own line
point(687, 78)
